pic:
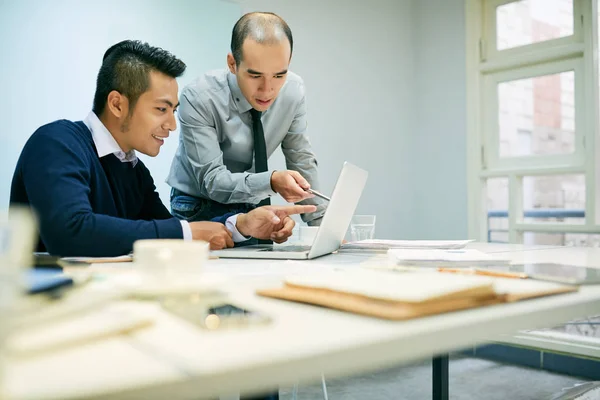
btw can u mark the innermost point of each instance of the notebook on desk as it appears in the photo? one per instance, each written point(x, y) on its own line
point(332, 230)
point(401, 296)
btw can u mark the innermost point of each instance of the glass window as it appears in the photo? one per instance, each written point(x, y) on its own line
point(537, 115)
point(532, 21)
point(497, 208)
point(554, 198)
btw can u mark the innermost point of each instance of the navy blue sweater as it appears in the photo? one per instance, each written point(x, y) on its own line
point(87, 206)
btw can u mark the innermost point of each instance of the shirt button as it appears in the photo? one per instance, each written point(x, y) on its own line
point(237, 99)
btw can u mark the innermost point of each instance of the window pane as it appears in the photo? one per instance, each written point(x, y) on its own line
point(497, 207)
point(532, 21)
point(555, 198)
point(537, 115)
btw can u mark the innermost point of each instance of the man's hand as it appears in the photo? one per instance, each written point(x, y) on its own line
point(290, 185)
point(213, 232)
point(270, 222)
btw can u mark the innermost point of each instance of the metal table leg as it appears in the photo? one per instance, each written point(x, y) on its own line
point(440, 377)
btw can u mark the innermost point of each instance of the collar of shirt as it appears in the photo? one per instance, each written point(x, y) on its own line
point(105, 142)
point(240, 101)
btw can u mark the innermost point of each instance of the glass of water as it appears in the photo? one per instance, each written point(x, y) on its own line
point(362, 227)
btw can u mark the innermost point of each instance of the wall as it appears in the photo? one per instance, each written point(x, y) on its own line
point(385, 82)
point(356, 60)
point(440, 120)
point(52, 52)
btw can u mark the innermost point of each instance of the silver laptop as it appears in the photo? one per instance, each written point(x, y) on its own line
point(330, 235)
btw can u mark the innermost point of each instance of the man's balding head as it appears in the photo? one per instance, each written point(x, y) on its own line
point(263, 27)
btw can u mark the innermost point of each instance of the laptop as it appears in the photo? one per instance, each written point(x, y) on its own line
point(330, 235)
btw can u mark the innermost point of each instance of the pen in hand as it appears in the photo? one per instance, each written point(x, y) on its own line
point(321, 195)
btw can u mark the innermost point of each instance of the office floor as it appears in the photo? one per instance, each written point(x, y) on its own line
point(470, 379)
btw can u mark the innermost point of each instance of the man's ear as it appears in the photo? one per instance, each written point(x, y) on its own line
point(231, 63)
point(117, 104)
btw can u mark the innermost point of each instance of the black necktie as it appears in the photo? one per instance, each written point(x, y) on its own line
point(260, 155)
point(260, 148)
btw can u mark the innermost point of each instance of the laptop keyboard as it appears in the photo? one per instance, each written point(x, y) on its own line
point(293, 248)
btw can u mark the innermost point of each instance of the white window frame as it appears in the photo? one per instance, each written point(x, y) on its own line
point(493, 160)
point(489, 47)
point(486, 66)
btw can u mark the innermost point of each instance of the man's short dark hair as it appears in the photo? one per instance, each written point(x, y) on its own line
point(126, 68)
point(263, 27)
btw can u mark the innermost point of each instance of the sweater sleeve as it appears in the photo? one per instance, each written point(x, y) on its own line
point(223, 218)
point(56, 174)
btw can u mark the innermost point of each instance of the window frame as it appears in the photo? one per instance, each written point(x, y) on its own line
point(487, 66)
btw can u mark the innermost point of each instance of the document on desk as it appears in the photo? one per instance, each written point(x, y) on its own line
point(444, 258)
point(383, 244)
point(97, 260)
point(95, 325)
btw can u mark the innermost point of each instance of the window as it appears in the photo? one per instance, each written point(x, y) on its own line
point(532, 21)
point(533, 115)
point(535, 121)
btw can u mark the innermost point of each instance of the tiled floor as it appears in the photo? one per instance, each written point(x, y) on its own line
point(470, 379)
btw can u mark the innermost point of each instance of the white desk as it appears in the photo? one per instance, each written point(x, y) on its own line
point(176, 360)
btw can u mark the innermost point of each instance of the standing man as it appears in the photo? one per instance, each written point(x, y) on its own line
point(232, 120)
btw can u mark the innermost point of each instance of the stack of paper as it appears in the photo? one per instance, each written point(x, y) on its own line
point(99, 324)
point(382, 244)
point(444, 258)
point(97, 260)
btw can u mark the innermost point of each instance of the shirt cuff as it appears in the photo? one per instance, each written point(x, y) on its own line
point(260, 184)
point(236, 235)
point(187, 231)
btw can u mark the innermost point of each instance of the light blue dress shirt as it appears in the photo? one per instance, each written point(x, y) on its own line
point(215, 157)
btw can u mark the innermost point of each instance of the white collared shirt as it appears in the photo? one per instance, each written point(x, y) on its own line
point(106, 144)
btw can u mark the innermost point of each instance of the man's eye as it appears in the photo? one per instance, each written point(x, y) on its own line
point(254, 76)
point(161, 109)
point(279, 76)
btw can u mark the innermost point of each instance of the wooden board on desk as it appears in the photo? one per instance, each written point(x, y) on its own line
point(374, 307)
point(400, 296)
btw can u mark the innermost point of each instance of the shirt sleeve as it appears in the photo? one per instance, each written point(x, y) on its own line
point(201, 143)
point(187, 230)
point(230, 224)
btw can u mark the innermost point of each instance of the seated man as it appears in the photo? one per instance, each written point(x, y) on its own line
point(93, 196)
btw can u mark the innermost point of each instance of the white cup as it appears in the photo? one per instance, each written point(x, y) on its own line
point(307, 234)
point(170, 260)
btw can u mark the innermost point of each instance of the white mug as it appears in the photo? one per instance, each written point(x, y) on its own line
point(170, 260)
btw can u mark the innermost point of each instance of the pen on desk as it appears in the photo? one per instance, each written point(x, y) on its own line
point(321, 195)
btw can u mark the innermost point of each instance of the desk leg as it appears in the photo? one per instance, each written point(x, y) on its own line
point(440, 377)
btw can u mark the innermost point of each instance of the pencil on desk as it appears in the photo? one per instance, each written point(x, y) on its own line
point(485, 272)
point(501, 274)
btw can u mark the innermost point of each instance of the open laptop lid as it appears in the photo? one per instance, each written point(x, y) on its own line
point(344, 201)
